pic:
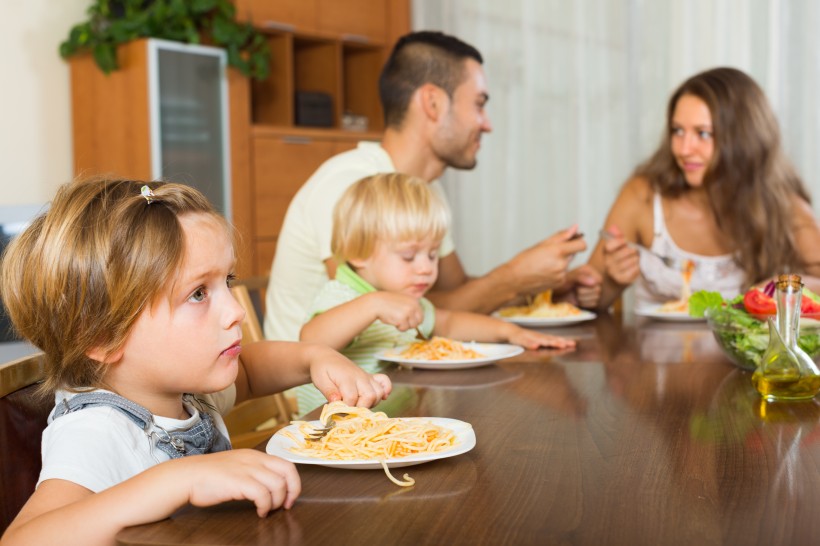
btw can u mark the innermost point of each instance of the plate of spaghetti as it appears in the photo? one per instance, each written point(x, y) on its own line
point(362, 439)
point(440, 353)
point(541, 311)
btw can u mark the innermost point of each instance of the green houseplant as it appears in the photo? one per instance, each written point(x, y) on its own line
point(114, 22)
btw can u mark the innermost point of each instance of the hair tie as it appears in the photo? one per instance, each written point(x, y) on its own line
point(147, 193)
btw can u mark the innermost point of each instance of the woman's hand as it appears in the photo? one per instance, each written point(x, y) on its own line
point(621, 261)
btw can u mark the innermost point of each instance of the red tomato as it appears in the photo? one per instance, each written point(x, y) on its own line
point(758, 303)
point(809, 307)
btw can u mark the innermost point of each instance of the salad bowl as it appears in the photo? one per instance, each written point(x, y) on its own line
point(744, 337)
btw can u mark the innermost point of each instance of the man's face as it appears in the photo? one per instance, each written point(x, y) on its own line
point(458, 136)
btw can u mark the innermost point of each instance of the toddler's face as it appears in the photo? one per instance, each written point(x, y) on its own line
point(407, 267)
point(190, 341)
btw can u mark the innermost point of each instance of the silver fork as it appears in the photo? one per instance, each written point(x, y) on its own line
point(667, 261)
point(320, 432)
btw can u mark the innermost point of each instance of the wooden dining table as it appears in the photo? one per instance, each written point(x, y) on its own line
point(644, 434)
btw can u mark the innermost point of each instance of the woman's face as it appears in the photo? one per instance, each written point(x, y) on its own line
point(692, 138)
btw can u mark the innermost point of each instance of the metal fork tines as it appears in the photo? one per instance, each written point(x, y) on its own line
point(320, 432)
point(668, 261)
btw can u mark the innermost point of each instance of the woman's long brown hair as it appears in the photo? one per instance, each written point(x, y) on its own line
point(751, 183)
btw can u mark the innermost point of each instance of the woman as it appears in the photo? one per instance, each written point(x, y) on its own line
point(718, 191)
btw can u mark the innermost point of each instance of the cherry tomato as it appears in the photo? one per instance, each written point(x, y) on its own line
point(758, 303)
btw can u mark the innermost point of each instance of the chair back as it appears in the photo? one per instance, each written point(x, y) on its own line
point(253, 421)
point(23, 415)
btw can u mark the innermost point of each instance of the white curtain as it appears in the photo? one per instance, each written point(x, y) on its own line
point(578, 95)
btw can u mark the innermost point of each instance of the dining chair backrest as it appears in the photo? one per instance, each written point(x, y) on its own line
point(252, 421)
point(23, 415)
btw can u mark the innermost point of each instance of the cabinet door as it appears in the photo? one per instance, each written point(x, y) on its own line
point(280, 166)
point(284, 14)
point(366, 19)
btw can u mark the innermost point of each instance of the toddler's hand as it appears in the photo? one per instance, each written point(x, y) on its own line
point(242, 474)
point(399, 310)
point(530, 339)
point(338, 378)
point(622, 262)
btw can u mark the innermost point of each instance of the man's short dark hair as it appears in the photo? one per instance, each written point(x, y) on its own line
point(419, 58)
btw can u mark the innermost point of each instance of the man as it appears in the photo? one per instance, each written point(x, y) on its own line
point(433, 92)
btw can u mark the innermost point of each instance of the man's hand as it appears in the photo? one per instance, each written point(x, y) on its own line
point(583, 287)
point(544, 265)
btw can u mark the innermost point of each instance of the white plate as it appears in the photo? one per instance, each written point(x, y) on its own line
point(280, 445)
point(491, 352)
point(536, 322)
point(674, 317)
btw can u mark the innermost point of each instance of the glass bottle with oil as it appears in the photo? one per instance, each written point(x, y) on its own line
point(786, 372)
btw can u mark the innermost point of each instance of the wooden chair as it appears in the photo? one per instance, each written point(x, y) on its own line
point(253, 421)
point(23, 415)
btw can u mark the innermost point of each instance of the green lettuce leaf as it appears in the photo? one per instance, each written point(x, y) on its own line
point(702, 300)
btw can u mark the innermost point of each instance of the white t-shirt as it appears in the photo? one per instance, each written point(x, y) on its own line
point(298, 271)
point(98, 447)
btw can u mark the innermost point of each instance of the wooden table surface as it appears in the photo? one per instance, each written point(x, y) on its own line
point(643, 435)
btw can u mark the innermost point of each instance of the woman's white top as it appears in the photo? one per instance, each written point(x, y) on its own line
point(659, 284)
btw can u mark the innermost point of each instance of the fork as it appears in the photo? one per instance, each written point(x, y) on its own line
point(667, 260)
point(320, 432)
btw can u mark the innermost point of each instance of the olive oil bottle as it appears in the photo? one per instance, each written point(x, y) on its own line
point(786, 372)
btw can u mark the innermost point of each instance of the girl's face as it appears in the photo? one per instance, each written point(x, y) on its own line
point(408, 267)
point(692, 138)
point(188, 342)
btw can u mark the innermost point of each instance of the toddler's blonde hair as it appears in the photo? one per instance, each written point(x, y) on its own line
point(79, 276)
point(386, 207)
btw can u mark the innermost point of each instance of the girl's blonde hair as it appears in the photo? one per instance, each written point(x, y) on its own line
point(79, 276)
point(388, 207)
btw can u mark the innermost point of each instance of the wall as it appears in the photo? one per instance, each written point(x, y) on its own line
point(578, 94)
point(35, 140)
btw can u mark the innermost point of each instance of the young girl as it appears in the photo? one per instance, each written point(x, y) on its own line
point(386, 233)
point(125, 287)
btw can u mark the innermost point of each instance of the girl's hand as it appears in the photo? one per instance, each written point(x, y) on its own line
point(622, 262)
point(243, 474)
point(399, 310)
point(338, 378)
point(530, 339)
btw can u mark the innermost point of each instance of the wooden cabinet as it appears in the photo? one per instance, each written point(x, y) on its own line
point(335, 48)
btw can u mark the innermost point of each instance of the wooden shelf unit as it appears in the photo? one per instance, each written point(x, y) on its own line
point(336, 47)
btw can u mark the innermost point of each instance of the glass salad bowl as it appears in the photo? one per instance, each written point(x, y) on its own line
point(744, 338)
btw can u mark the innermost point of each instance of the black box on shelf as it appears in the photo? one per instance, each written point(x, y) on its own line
point(314, 109)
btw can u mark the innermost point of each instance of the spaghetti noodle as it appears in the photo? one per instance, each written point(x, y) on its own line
point(541, 307)
point(681, 305)
point(439, 348)
point(362, 434)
